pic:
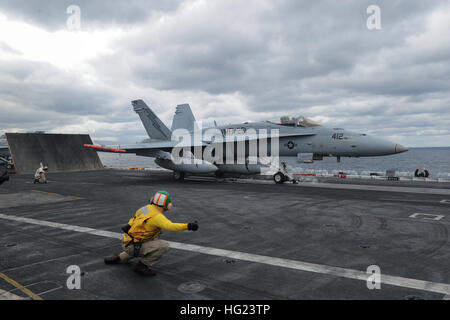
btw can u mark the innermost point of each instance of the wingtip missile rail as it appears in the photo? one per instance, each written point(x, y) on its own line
point(103, 148)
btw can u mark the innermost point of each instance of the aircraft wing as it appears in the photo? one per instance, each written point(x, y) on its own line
point(150, 149)
point(168, 145)
point(157, 148)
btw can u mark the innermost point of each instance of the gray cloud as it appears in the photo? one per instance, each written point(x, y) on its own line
point(24, 87)
point(283, 56)
point(52, 14)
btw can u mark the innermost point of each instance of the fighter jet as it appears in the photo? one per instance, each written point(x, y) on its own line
point(245, 148)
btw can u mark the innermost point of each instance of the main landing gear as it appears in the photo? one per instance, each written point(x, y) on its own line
point(178, 176)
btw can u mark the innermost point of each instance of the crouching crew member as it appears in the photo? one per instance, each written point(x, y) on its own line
point(141, 233)
point(39, 176)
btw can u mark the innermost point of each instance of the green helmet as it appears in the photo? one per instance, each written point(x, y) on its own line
point(161, 199)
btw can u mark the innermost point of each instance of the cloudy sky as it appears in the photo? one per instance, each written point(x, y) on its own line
point(232, 61)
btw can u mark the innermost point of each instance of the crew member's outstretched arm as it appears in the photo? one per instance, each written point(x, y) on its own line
point(161, 221)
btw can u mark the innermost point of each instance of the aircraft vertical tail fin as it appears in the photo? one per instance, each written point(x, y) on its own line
point(184, 118)
point(155, 128)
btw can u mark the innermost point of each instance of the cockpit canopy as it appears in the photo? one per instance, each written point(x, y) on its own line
point(296, 122)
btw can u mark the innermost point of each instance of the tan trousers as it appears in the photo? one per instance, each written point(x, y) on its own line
point(150, 251)
point(42, 178)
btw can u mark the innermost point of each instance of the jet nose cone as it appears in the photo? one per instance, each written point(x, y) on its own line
point(399, 148)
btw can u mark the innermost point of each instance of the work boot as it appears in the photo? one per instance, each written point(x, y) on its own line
point(114, 259)
point(143, 270)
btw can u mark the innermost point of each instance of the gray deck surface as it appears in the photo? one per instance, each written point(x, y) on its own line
point(321, 225)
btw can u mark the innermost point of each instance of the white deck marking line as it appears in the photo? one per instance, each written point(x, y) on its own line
point(5, 295)
point(349, 186)
point(427, 216)
point(436, 287)
point(374, 188)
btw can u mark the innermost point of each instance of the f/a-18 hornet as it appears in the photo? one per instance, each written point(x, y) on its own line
point(244, 148)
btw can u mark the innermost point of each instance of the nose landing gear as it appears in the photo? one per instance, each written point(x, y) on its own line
point(283, 175)
point(279, 177)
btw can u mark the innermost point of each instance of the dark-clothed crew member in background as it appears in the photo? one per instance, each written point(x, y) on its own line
point(4, 177)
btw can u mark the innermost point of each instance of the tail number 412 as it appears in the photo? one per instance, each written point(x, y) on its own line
point(338, 136)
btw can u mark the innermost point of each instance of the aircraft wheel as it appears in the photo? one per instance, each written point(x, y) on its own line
point(178, 176)
point(220, 177)
point(279, 177)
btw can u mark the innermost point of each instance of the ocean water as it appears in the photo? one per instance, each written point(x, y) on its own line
point(435, 160)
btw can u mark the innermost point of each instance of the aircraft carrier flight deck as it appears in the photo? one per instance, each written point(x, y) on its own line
point(256, 239)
